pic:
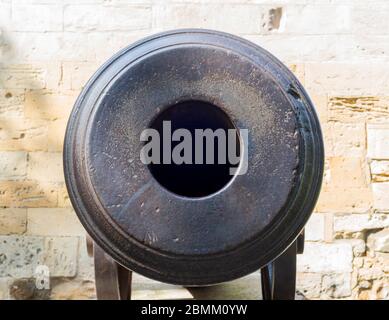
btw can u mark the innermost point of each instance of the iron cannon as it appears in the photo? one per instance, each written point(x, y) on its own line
point(194, 222)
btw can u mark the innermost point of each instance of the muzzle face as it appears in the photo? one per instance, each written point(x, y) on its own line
point(188, 223)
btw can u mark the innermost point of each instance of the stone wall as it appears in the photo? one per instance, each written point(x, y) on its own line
point(338, 49)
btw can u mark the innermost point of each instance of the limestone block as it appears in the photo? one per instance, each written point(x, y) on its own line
point(378, 141)
point(383, 260)
point(28, 194)
point(328, 227)
point(20, 255)
point(370, 19)
point(22, 76)
point(370, 274)
point(314, 19)
point(21, 134)
point(347, 140)
point(13, 165)
point(359, 246)
point(76, 74)
point(314, 229)
point(85, 17)
point(347, 172)
point(324, 47)
point(53, 222)
point(78, 46)
point(347, 78)
point(309, 284)
point(11, 103)
point(56, 133)
point(379, 241)
point(383, 292)
point(379, 170)
point(70, 46)
point(380, 196)
point(37, 17)
point(360, 222)
point(45, 166)
point(60, 256)
point(116, 41)
point(228, 19)
point(283, 46)
point(336, 285)
point(325, 258)
point(50, 105)
point(25, 48)
point(344, 199)
point(359, 109)
point(13, 220)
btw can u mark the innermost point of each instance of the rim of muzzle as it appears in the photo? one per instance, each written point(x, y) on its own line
point(231, 233)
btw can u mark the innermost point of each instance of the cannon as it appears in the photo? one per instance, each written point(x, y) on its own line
point(193, 222)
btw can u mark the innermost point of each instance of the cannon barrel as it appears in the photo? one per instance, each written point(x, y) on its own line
point(193, 223)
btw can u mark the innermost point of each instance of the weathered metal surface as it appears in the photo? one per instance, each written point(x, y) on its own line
point(193, 240)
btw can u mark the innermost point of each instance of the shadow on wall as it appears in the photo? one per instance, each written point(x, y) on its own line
point(20, 132)
point(31, 179)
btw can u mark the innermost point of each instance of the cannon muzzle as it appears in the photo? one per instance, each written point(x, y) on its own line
point(193, 157)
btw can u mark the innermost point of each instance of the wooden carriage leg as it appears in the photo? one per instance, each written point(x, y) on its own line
point(113, 281)
point(278, 278)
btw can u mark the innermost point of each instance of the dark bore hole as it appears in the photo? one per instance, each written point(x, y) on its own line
point(195, 180)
